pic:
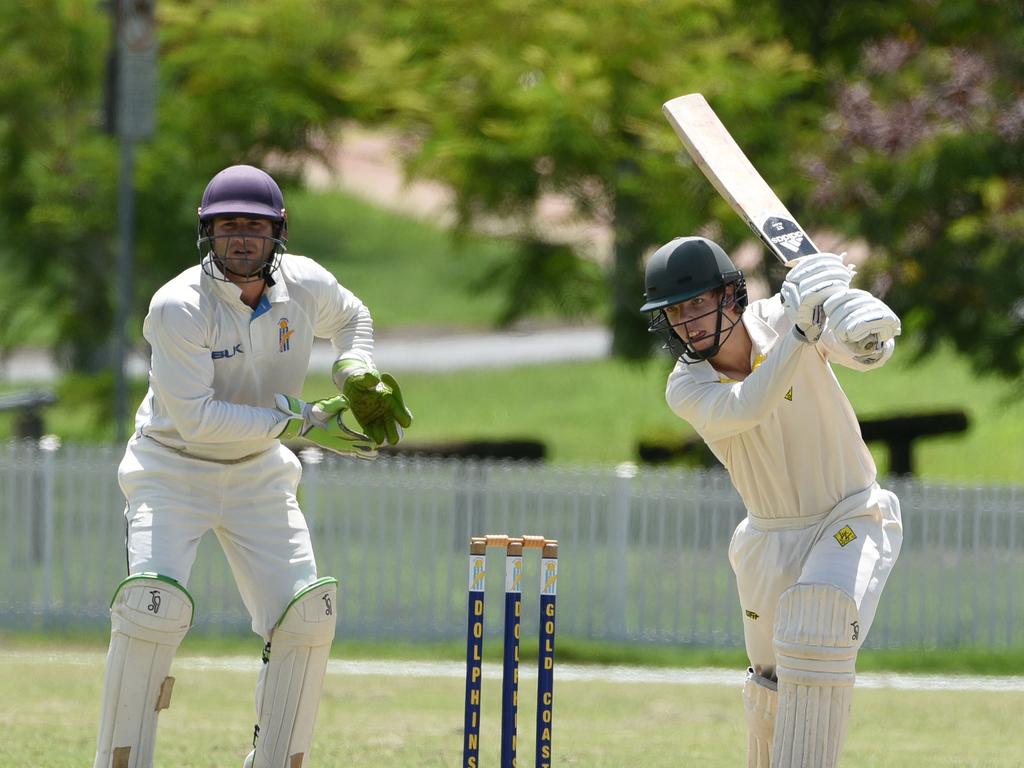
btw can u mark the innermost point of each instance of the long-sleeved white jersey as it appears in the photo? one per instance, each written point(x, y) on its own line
point(787, 434)
point(216, 363)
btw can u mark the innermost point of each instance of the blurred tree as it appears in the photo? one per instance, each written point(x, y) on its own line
point(923, 155)
point(898, 121)
point(506, 101)
point(57, 173)
point(240, 82)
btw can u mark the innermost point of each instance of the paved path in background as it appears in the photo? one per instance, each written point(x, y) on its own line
point(563, 672)
point(396, 354)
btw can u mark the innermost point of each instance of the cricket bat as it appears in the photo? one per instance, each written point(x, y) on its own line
point(736, 179)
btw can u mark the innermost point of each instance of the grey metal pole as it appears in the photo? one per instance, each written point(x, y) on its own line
point(618, 549)
point(125, 258)
point(135, 25)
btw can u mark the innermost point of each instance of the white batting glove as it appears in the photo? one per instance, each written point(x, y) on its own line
point(872, 357)
point(821, 264)
point(862, 322)
point(808, 316)
point(808, 286)
point(820, 277)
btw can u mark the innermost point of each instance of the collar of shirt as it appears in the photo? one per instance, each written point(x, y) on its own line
point(232, 293)
point(762, 337)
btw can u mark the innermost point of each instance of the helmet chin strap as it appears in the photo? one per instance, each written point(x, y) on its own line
point(692, 355)
point(268, 276)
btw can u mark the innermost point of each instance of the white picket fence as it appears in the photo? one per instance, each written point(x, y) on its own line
point(642, 551)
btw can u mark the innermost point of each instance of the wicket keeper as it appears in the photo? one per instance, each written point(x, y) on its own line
point(820, 537)
point(231, 339)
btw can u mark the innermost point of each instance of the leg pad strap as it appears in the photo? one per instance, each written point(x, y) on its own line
point(760, 700)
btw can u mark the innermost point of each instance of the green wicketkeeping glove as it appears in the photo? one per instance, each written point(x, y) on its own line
point(375, 398)
point(321, 422)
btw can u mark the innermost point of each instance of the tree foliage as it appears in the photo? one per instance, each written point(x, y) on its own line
point(923, 154)
point(507, 101)
point(57, 172)
point(899, 122)
point(239, 82)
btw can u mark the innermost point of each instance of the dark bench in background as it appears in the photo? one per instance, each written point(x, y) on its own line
point(898, 433)
point(28, 421)
point(511, 449)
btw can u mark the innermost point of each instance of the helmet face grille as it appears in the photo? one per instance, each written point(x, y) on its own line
point(242, 190)
point(671, 343)
point(680, 349)
point(244, 270)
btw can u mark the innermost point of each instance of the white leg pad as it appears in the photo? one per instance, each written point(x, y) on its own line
point(288, 694)
point(816, 633)
point(760, 699)
point(149, 616)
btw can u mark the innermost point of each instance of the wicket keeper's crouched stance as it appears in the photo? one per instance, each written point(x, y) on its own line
point(231, 341)
point(820, 536)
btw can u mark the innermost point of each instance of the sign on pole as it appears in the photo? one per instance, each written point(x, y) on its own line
point(137, 69)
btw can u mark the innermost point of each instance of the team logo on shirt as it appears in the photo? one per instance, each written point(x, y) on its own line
point(753, 616)
point(284, 335)
point(789, 395)
point(845, 535)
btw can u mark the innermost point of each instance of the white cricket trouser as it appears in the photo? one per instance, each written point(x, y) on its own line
point(853, 548)
point(250, 506)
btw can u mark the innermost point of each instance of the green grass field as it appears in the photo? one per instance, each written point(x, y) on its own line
point(405, 721)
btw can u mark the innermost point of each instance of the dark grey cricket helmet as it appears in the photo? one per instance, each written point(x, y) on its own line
point(243, 190)
point(681, 269)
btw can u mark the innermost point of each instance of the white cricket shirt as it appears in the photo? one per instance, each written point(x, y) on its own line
point(787, 433)
point(216, 363)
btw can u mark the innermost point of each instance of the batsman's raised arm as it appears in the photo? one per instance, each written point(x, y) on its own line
point(717, 411)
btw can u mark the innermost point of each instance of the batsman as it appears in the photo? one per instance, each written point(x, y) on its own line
point(820, 538)
point(231, 340)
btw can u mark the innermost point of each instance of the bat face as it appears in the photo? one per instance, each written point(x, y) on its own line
point(726, 166)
